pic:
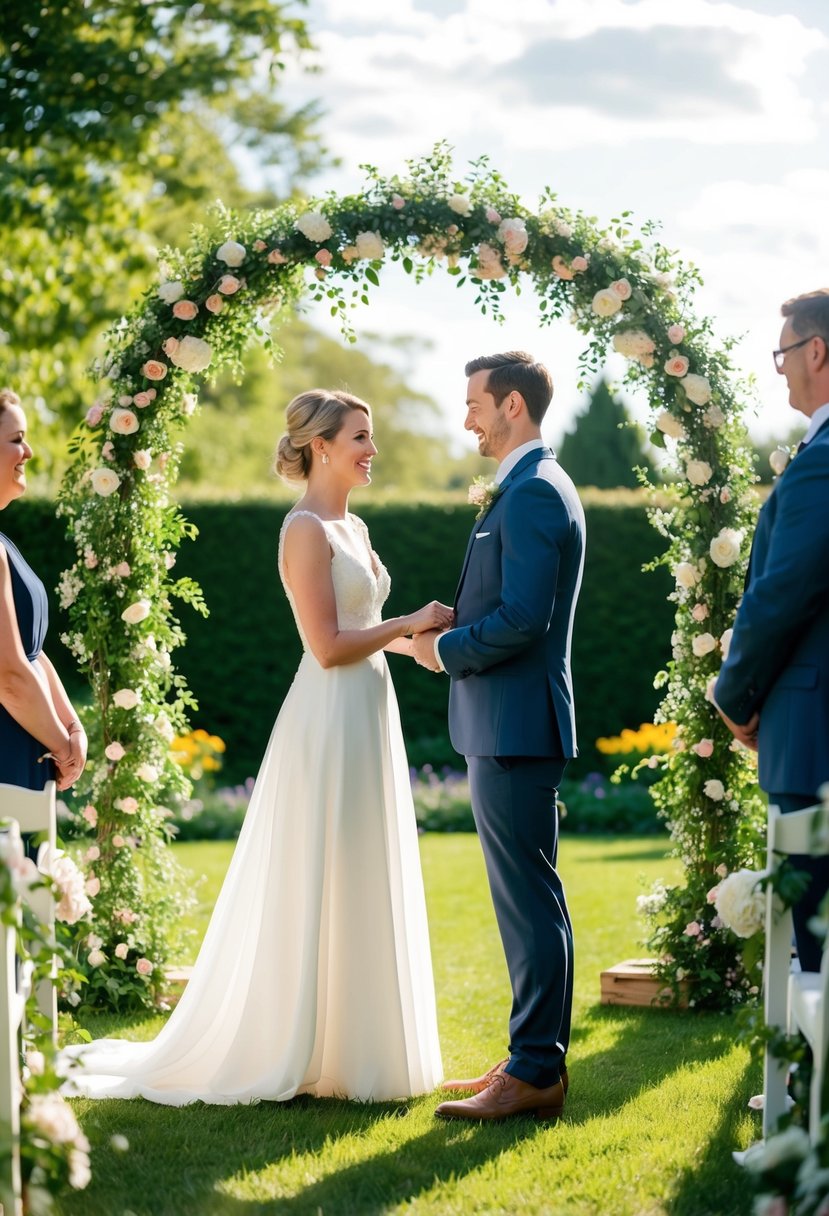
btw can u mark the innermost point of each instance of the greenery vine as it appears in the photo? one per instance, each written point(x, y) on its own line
point(620, 287)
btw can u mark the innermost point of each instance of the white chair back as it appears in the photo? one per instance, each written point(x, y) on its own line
point(35, 812)
point(13, 993)
point(793, 1000)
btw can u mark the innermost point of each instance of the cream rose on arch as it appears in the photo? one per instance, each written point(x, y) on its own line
point(490, 265)
point(703, 643)
point(123, 422)
point(697, 389)
point(606, 302)
point(686, 575)
point(698, 472)
point(459, 203)
point(314, 226)
point(137, 612)
point(369, 245)
point(670, 426)
point(231, 253)
point(170, 292)
point(512, 233)
point(105, 482)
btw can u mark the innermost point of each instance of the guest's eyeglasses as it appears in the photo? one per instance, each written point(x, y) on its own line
point(779, 356)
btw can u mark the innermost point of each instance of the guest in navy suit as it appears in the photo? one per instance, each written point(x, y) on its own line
point(773, 689)
point(511, 715)
point(40, 735)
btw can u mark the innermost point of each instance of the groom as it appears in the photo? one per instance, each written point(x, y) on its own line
point(511, 715)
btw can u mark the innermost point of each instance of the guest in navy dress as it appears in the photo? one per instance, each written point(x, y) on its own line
point(40, 735)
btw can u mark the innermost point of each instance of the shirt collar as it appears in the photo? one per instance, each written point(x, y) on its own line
point(512, 458)
point(817, 420)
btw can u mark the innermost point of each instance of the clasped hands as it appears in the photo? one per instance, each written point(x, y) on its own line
point(427, 624)
point(71, 761)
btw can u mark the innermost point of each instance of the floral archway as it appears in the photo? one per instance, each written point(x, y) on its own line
point(621, 288)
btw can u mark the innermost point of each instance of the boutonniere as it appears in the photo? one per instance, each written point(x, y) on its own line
point(780, 458)
point(482, 494)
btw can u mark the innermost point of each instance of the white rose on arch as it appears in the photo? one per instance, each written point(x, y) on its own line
point(725, 642)
point(697, 389)
point(703, 644)
point(147, 772)
point(698, 472)
point(314, 226)
point(725, 547)
point(105, 482)
point(714, 789)
point(170, 292)
point(740, 900)
point(125, 698)
point(670, 426)
point(686, 575)
point(192, 354)
point(231, 253)
point(137, 612)
point(635, 344)
point(459, 203)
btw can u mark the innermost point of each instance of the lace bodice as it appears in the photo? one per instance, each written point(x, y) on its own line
point(361, 581)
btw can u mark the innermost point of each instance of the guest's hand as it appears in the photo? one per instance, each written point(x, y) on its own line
point(78, 745)
point(70, 761)
point(745, 733)
point(423, 649)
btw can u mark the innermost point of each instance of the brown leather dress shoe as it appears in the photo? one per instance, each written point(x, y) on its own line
point(474, 1085)
point(506, 1096)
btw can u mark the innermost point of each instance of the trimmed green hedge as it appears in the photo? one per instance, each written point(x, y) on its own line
point(241, 660)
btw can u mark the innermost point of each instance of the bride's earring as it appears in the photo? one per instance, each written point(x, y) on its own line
point(325, 458)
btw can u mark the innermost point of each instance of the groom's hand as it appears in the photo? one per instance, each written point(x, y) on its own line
point(423, 648)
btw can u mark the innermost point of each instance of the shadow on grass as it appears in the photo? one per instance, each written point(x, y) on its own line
point(716, 1186)
point(181, 1157)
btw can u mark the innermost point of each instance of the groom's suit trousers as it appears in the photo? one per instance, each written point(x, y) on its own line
point(514, 804)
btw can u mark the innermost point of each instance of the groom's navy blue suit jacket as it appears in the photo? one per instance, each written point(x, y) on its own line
point(509, 655)
point(778, 663)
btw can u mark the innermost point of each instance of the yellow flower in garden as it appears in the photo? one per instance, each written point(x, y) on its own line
point(652, 738)
point(198, 752)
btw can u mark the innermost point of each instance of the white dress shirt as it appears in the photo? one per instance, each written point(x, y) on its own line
point(816, 421)
point(504, 468)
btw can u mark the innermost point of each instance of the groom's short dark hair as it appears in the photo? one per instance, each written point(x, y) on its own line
point(809, 313)
point(516, 371)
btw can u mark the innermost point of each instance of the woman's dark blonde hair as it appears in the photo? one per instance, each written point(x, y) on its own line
point(318, 412)
point(8, 397)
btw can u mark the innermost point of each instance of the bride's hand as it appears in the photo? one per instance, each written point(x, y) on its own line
point(431, 616)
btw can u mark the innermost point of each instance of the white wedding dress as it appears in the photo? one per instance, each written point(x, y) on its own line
point(315, 974)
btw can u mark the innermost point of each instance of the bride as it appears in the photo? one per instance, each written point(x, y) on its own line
point(315, 973)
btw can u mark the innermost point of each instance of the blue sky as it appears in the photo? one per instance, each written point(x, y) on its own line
point(710, 116)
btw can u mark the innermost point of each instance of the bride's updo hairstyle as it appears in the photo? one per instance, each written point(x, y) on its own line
point(316, 412)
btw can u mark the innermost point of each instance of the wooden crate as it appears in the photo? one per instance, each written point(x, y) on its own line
point(634, 983)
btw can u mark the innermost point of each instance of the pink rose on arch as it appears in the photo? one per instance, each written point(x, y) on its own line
point(114, 752)
point(693, 929)
point(276, 257)
point(154, 369)
point(151, 393)
point(704, 749)
point(675, 334)
point(142, 400)
point(92, 886)
point(185, 310)
point(169, 346)
point(323, 256)
point(579, 264)
point(90, 815)
point(699, 612)
point(677, 365)
point(94, 414)
point(123, 422)
point(398, 202)
point(214, 303)
point(108, 450)
point(121, 950)
point(711, 897)
point(492, 215)
point(125, 399)
point(229, 284)
point(561, 268)
point(127, 805)
point(622, 288)
point(122, 570)
point(142, 459)
point(453, 229)
point(259, 246)
point(144, 966)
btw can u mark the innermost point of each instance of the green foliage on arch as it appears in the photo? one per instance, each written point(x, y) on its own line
point(620, 287)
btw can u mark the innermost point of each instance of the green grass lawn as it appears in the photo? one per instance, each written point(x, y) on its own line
point(657, 1099)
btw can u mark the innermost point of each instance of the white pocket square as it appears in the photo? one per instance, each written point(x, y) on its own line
point(479, 535)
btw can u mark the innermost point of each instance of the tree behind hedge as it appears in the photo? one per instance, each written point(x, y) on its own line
point(605, 447)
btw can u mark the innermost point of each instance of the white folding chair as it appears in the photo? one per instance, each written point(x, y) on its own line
point(35, 811)
point(14, 989)
point(794, 1000)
